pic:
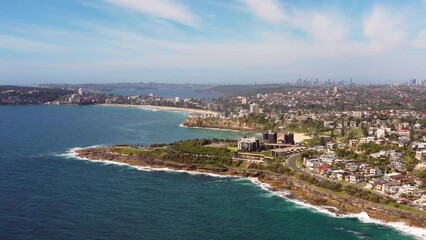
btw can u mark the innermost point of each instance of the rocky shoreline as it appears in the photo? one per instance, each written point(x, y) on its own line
point(299, 190)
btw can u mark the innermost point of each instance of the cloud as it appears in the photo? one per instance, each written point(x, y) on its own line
point(166, 9)
point(384, 29)
point(322, 27)
point(22, 44)
point(266, 10)
point(420, 41)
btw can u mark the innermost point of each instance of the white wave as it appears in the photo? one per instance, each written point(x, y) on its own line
point(165, 110)
point(72, 153)
point(419, 233)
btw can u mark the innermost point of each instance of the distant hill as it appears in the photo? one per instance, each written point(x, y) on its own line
point(16, 95)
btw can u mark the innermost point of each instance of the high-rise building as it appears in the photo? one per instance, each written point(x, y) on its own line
point(273, 137)
point(289, 138)
point(254, 108)
point(80, 91)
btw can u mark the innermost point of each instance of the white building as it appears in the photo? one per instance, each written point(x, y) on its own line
point(421, 155)
point(254, 108)
point(312, 164)
point(328, 158)
point(357, 114)
point(380, 133)
point(376, 171)
point(248, 144)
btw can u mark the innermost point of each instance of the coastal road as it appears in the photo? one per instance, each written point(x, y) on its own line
point(292, 163)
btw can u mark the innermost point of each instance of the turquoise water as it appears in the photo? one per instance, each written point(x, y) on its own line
point(45, 195)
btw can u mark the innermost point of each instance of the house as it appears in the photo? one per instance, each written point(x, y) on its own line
point(419, 181)
point(405, 180)
point(338, 174)
point(324, 169)
point(373, 183)
point(421, 155)
point(357, 114)
point(356, 178)
point(341, 145)
point(403, 132)
point(330, 145)
point(352, 167)
point(394, 177)
point(380, 133)
point(390, 188)
point(418, 145)
point(328, 158)
point(319, 148)
point(376, 171)
point(353, 142)
point(397, 165)
point(312, 164)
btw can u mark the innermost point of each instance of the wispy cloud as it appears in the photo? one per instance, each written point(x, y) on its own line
point(14, 43)
point(384, 29)
point(267, 10)
point(166, 9)
point(420, 41)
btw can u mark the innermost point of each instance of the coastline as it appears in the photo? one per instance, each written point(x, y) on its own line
point(290, 189)
point(164, 108)
point(298, 137)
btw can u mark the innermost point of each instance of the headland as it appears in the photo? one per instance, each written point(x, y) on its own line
point(204, 156)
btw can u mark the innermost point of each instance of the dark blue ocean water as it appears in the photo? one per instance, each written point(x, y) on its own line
point(44, 195)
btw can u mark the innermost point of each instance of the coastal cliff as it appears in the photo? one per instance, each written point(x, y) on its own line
point(338, 203)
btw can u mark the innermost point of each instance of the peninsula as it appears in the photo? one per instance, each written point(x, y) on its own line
point(222, 157)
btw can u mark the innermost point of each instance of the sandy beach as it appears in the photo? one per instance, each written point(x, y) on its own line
point(165, 108)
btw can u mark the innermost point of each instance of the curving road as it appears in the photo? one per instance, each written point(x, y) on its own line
point(292, 163)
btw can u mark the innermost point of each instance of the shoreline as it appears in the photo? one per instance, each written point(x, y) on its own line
point(164, 108)
point(293, 192)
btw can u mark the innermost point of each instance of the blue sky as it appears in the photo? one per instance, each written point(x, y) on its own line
point(211, 41)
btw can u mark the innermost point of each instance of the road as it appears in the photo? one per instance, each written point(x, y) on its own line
point(292, 163)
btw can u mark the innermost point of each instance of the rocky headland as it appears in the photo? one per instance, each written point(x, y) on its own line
point(340, 204)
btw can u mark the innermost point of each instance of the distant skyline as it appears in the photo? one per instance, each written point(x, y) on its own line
point(211, 41)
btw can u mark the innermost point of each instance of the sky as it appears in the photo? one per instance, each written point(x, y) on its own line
point(211, 41)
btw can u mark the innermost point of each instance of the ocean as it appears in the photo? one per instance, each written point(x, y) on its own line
point(46, 193)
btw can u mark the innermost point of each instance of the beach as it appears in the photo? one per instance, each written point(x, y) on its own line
point(166, 108)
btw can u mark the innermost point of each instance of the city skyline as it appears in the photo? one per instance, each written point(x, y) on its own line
point(179, 41)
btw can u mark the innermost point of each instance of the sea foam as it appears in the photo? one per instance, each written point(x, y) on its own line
point(419, 233)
